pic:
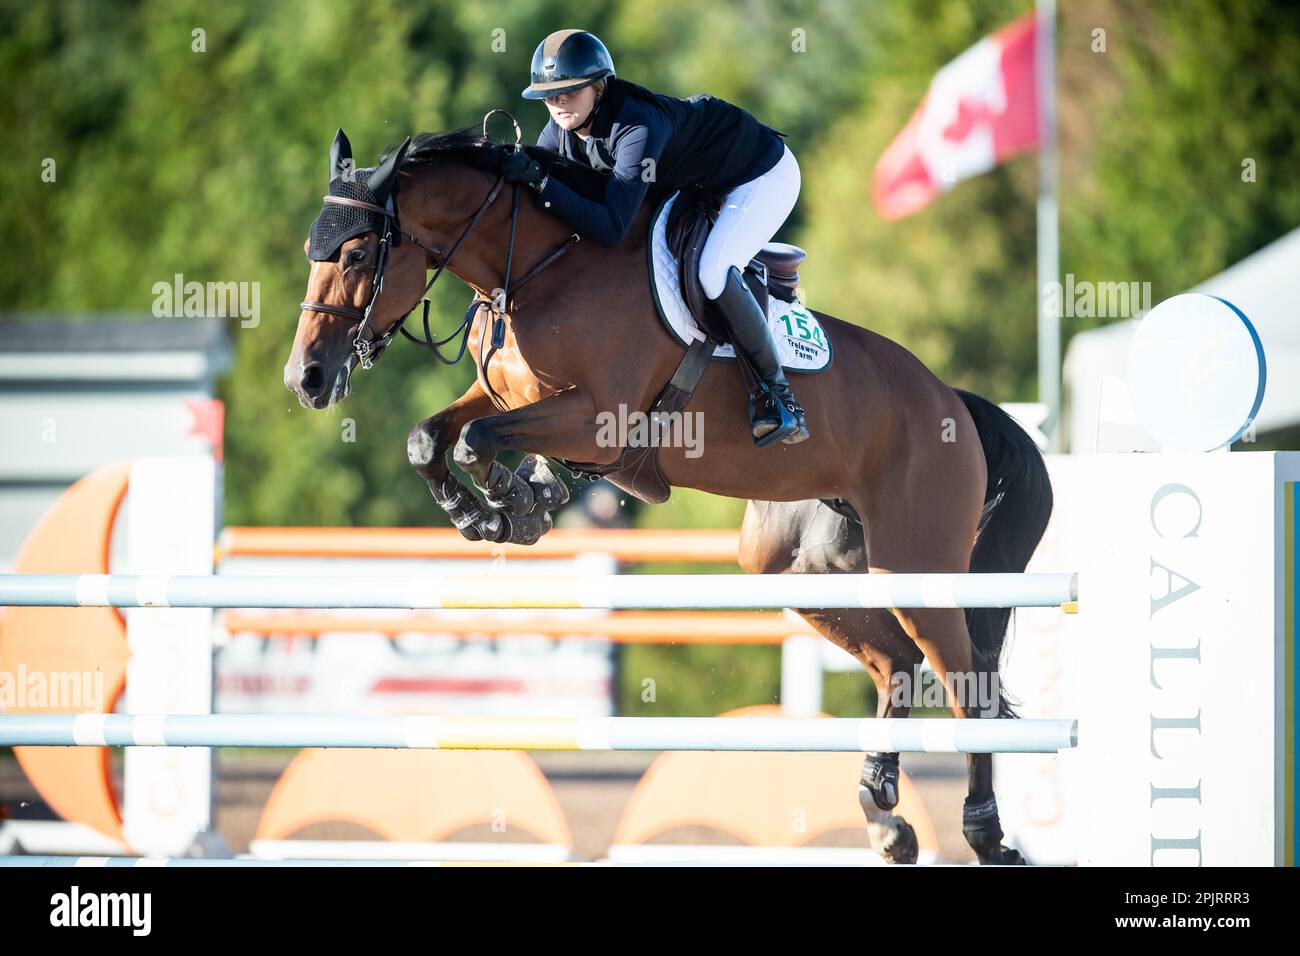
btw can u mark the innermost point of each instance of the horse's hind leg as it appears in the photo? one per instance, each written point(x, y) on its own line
point(942, 636)
point(972, 689)
point(879, 644)
point(979, 816)
point(809, 537)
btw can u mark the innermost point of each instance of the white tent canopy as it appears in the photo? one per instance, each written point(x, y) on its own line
point(1265, 286)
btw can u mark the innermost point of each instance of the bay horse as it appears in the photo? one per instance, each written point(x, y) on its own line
point(902, 473)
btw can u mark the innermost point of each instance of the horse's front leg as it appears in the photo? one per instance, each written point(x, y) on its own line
point(427, 447)
point(562, 425)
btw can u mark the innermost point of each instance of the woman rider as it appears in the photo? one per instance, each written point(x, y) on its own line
point(701, 143)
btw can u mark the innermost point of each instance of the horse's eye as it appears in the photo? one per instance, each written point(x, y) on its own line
point(357, 255)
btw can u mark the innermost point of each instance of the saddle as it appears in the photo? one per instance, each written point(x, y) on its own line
point(773, 272)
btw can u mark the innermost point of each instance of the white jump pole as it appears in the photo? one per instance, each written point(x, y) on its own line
point(614, 592)
point(787, 734)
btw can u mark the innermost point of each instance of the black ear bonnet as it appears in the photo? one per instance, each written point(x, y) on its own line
point(337, 224)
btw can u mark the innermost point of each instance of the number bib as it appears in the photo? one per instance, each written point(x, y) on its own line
point(800, 338)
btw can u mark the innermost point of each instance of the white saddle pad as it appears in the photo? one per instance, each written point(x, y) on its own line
point(801, 341)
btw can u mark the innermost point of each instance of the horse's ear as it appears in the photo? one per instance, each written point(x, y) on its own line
point(340, 154)
point(384, 178)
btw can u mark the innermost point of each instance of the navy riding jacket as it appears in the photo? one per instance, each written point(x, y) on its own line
point(700, 143)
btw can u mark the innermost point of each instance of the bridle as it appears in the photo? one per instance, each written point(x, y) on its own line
point(368, 351)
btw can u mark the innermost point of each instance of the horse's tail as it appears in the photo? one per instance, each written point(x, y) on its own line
point(1017, 504)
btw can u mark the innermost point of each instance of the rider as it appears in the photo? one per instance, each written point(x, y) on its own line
point(702, 143)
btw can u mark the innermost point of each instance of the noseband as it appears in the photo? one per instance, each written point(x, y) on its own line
point(369, 350)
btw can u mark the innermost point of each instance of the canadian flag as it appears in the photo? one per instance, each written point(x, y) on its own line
point(980, 108)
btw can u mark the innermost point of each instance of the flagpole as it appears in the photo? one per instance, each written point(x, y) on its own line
point(1049, 269)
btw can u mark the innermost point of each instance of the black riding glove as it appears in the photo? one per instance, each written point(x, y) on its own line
point(519, 167)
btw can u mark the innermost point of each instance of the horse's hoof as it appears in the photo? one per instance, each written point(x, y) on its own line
point(470, 533)
point(900, 846)
point(891, 836)
point(528, 529)
point(495, 527)
point(549, 491)
point(507, 491)
point(1002, 856)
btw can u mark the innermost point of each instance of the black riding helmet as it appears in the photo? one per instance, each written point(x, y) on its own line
point(565, 61)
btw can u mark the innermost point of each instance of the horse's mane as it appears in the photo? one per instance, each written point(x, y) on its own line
point(466, 146)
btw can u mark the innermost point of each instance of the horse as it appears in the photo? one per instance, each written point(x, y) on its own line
point(903, 473)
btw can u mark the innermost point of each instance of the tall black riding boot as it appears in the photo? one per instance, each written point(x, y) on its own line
point(774, 415)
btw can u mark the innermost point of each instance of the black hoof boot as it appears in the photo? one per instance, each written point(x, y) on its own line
point(466, 512)
point(880, 779)
point(529, 528)
point(505, 491)
point(983, 831)
point(529, 490)
point(549, 490)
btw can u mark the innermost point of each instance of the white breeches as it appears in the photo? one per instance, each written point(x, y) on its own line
point(751, 215)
